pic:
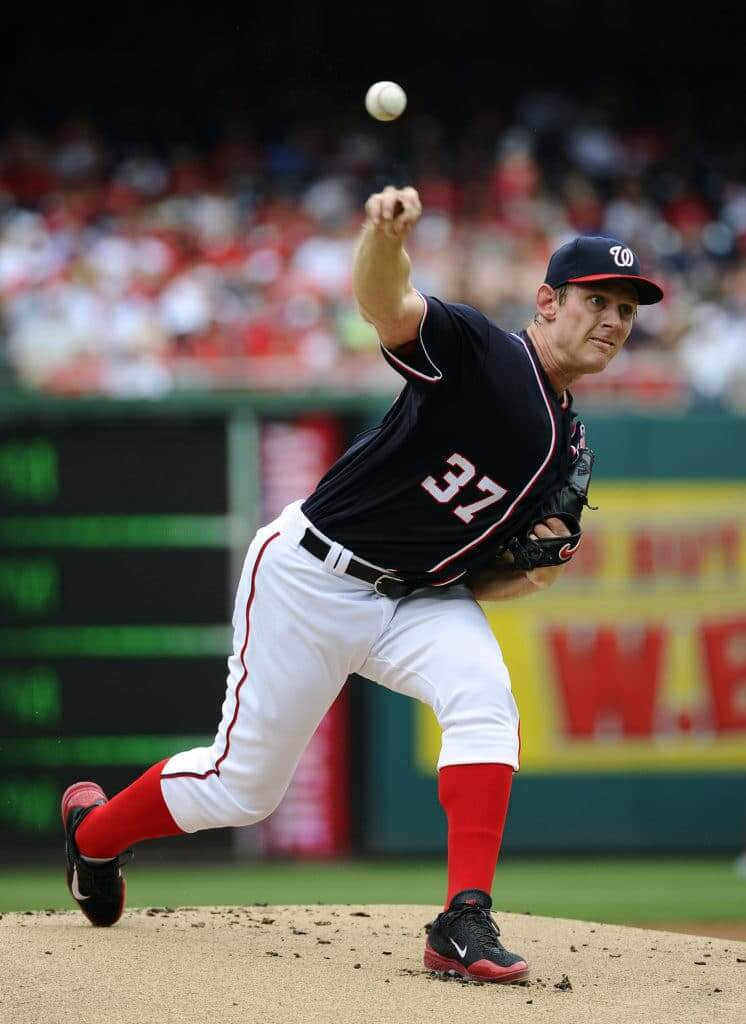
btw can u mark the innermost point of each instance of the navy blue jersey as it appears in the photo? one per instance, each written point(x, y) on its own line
point(472, 446)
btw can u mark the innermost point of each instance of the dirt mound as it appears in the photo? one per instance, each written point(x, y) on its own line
point(356, 964)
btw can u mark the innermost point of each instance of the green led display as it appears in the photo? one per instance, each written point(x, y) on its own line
point(96, 750)
point(116, 641)
point(29, 586)
point(29, 804)
point(31, 696)
point(118, 531)
point(28, 471)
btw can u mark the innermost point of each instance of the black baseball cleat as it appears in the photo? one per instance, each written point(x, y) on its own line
point(465, 940)
point(98, 889)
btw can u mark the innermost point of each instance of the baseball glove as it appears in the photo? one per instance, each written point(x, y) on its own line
point(530, 552)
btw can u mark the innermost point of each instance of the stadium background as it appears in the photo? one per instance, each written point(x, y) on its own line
point(180, 356)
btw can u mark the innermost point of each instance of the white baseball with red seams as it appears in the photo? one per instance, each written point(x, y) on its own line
point(385, 101)
point(300, 628)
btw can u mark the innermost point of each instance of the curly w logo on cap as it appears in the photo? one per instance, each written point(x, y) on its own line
point(595, 258)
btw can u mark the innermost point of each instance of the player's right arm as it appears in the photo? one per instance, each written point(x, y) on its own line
point(426, 340)
point(381, 267)
point(502, 583)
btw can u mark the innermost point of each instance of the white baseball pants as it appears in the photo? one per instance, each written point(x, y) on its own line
point(300, 628)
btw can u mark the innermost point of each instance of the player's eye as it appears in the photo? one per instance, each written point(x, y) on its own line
point(597, 300)
point(626, 311)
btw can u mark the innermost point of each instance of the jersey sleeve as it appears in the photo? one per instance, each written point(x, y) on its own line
point(448, 334)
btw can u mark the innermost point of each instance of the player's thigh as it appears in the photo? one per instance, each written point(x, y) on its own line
point(298, 634)
point(440, 649)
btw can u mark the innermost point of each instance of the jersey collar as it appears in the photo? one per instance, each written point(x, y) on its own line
point(563, 400)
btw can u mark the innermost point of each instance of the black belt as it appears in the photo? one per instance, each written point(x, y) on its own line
point(383, 583)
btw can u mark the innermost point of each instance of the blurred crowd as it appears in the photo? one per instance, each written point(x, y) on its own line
point(140, 269)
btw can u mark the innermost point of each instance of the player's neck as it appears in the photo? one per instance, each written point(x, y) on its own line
point(559, 376)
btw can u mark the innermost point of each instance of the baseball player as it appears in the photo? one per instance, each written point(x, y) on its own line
point(459, 493)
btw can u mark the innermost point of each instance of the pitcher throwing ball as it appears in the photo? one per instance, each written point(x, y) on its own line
point(470, 487)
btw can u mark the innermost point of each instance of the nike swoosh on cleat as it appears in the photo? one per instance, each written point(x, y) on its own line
point(461, 952)
point(77, 894)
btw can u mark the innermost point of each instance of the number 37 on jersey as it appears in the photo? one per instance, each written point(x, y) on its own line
point(448, 488)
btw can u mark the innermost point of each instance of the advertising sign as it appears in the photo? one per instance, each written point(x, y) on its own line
point(636, 659)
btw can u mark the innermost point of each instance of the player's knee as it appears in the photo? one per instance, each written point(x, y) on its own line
point(267, 806)
point(251, 804)
point(480, 694)
point(488, 735)
point(234, 815)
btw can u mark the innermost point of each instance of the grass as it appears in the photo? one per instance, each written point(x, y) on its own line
point(615, 891)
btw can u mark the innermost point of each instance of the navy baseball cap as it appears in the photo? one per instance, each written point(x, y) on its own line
point(593, 258)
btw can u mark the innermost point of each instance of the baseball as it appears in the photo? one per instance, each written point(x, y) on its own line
point(385, 101)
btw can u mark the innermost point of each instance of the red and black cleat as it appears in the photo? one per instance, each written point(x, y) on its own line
point(98, 889)
point(465, 940)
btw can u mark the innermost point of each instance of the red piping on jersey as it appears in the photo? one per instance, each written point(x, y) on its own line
point(451, 579)
point(509, 511)
point(389, 355)
point(242, 680)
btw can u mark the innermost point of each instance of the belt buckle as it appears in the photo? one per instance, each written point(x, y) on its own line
point(383, 579)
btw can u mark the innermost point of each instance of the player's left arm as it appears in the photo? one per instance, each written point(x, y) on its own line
point(502, 583)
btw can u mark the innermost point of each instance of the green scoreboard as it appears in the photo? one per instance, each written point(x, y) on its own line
point(123, 529)
point(120, 541)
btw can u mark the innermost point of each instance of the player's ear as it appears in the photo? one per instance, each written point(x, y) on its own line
point(546, 302)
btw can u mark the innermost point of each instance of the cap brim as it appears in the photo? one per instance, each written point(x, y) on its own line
point(648, 292)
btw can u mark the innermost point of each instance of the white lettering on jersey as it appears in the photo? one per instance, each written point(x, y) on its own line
point(452, 483)
point(495, 492)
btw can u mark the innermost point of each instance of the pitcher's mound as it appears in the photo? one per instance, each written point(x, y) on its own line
point(356, 964)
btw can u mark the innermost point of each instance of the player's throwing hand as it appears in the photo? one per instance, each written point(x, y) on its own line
point(394, 211)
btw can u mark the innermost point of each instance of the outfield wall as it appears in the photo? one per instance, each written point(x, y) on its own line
point(630, 675)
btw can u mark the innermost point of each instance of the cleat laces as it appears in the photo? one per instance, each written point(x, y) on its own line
point(481, 924)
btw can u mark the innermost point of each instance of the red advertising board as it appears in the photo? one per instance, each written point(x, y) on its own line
point(313, 819)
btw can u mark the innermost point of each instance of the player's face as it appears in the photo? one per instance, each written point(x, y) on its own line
point(594, 322)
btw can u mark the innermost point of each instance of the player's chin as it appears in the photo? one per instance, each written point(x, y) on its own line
point(598, 359)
